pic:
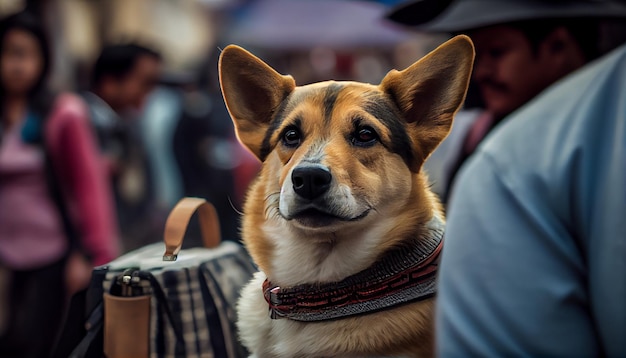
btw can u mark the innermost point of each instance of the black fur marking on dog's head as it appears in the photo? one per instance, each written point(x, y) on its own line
point(299, 95)
point(386, 112)
point(279, 117)
point(330, 97)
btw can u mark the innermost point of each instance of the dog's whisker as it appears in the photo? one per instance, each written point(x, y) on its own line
point(270, 195)
point(272, 213)
point(232, 205)
point(276, 214)
point(271, 203)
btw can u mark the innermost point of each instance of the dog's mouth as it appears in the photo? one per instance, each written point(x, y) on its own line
point(315, 218)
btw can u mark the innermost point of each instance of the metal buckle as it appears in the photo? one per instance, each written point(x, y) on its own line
point(275, 301)
point(172, 257)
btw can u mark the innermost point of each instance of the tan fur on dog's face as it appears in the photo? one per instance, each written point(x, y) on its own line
point(340, 184)
point(331, 119)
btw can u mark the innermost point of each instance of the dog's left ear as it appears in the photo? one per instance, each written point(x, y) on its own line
point(431, 91)
point(253, 91)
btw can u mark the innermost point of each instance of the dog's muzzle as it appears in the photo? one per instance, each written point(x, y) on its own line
point(314, 201)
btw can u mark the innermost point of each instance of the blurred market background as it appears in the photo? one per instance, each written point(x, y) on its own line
point(184, 127)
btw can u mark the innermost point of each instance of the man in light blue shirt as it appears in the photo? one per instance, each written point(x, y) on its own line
point(534, 262)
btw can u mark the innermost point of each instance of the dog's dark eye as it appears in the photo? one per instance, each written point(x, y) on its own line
point(364, 137)
point(292, 137)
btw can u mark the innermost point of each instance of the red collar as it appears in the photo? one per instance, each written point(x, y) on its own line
point(406, 274)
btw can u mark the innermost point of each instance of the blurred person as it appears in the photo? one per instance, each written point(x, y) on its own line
point(56, 215)
point(522, 48)
point(206, 152)
point(213, 164)
point(535, 257)
point(157, 126)
point(122, 78)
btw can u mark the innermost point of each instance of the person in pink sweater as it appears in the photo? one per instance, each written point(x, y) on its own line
point(56, 213)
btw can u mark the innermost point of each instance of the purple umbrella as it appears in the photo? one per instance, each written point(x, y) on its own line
point(303, 24)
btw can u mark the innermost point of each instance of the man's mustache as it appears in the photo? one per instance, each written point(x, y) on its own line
point(494, 85)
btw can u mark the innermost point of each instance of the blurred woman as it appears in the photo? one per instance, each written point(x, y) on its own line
point(56, 218)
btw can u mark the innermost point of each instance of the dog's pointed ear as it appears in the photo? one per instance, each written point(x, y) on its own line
point(252, 91)
point(431, 91)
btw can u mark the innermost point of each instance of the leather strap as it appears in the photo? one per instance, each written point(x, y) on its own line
point(178, 220)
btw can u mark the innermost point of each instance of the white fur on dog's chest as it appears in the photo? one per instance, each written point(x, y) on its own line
point(272, 338)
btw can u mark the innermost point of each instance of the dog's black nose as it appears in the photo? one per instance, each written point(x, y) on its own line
point(311, 181)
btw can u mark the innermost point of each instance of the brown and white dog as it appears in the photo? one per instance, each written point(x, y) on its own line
point(341, 221)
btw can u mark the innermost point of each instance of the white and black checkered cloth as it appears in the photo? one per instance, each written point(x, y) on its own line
point(200, 290)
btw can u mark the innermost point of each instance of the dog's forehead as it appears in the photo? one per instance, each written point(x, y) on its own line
point(329, 96)
point(343, 84)
point(330, 90)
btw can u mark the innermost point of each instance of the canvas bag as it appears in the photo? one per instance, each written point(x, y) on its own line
point(177, 304)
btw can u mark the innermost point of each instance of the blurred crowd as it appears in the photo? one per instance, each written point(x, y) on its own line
point(111, 112)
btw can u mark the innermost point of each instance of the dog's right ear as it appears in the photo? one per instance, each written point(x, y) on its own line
point(252, 91)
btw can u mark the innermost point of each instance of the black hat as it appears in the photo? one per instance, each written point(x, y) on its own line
point(463, 15)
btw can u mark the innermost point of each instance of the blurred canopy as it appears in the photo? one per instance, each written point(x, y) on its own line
point(300, 24)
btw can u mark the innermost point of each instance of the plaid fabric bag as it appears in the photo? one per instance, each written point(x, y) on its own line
point(190, 295)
